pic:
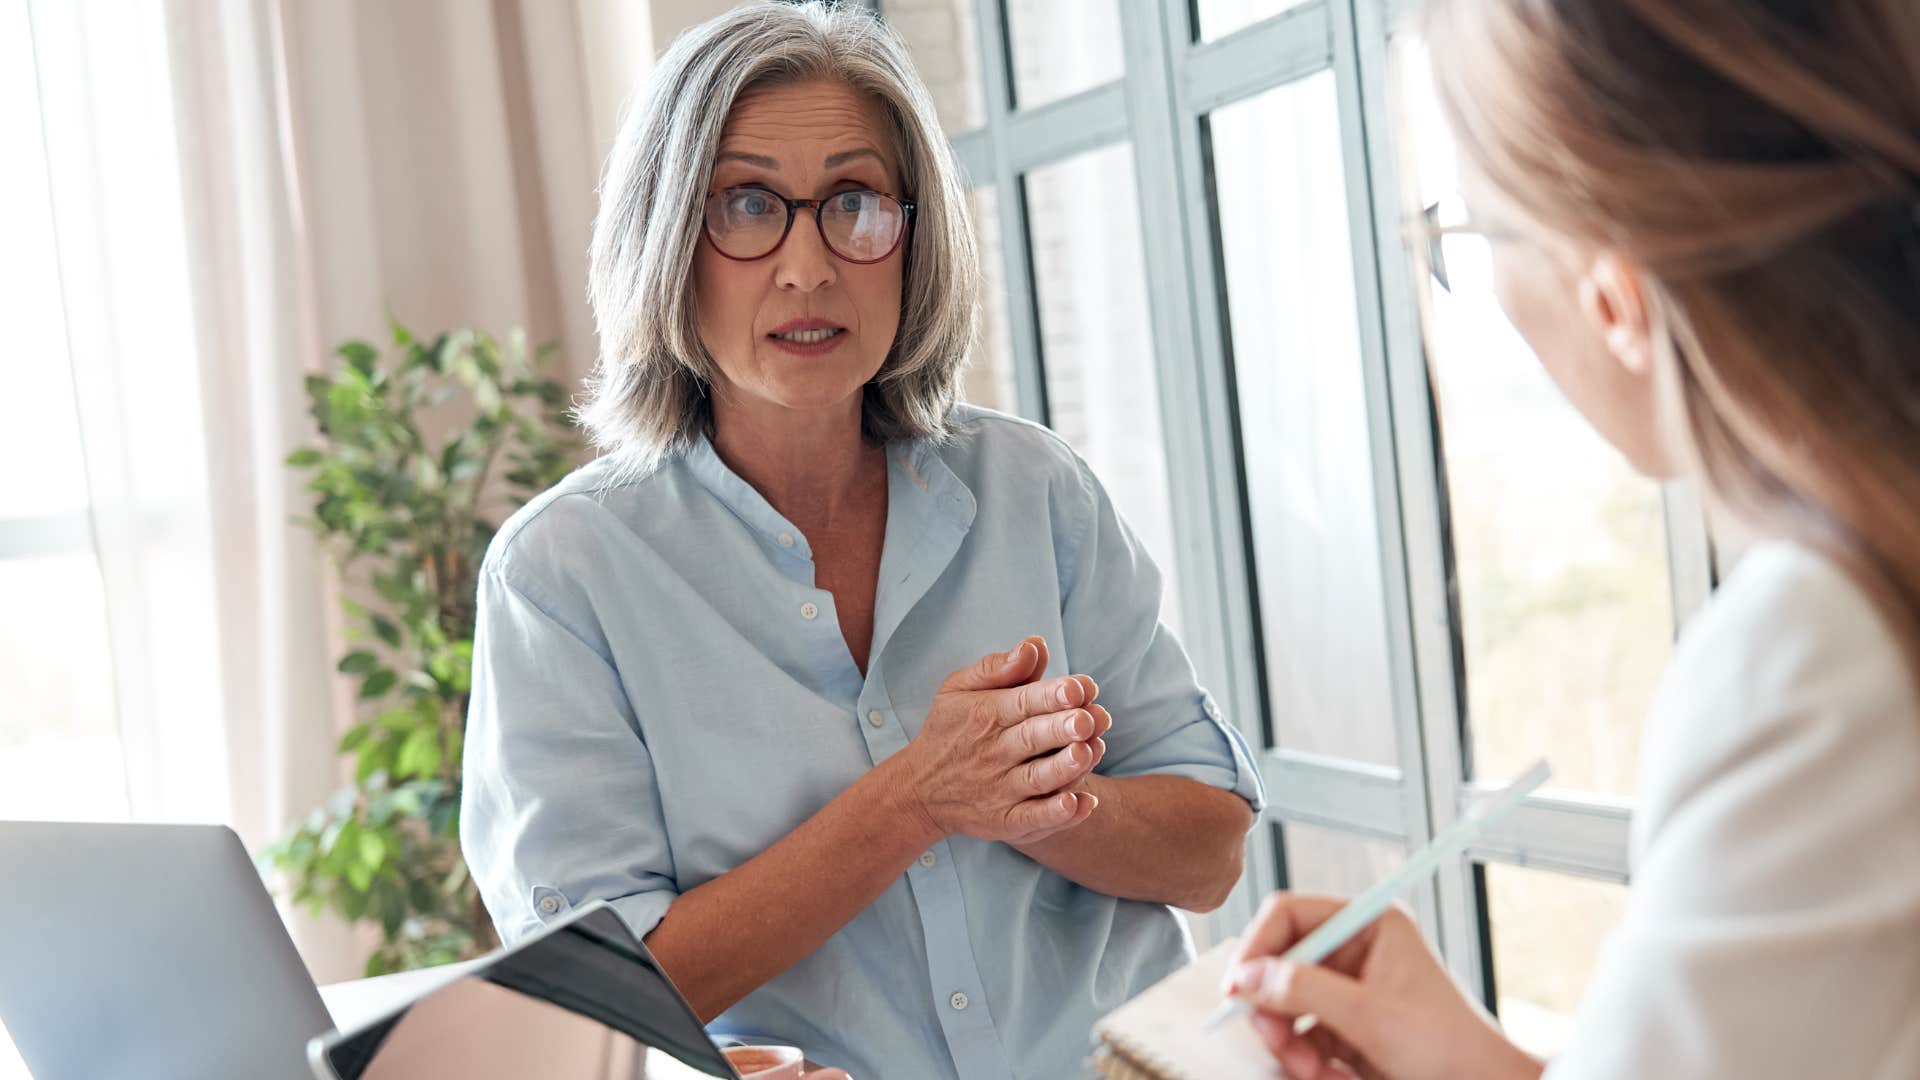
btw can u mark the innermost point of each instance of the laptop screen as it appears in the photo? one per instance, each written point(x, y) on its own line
point(584, 1001)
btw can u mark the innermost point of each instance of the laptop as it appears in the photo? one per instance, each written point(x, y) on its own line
point(579, 1000)
point(151, 951)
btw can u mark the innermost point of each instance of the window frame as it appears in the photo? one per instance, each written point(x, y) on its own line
point(1172, 82)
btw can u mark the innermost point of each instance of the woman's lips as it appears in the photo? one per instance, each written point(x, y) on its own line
point(808, 337)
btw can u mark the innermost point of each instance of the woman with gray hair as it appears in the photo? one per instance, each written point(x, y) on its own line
point(715, 672)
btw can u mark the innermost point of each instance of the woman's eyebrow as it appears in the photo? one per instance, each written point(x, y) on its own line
point(834, 161)
point(758, 160)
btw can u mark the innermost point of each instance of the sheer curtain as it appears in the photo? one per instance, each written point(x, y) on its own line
point(238, 186)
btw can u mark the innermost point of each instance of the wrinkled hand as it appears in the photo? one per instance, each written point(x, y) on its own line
point(1382, 1006)
point(999, 755)
point(1102, 719)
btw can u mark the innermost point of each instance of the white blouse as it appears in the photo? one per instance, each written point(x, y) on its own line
point(1774, 925)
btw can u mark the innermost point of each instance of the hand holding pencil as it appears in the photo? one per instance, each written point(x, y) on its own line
point(1329, 980)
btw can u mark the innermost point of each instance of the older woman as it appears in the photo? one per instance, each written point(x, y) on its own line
point(730, 677)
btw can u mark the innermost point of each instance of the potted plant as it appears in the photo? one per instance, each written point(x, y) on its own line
point(407, 517)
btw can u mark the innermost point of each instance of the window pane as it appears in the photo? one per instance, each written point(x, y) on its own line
point(1335, 863)
point(1547, 931)
point(1559, 547)
point(1062, 47)
point(39, 427)
point(1303, 415)
point(990, 375)
point(1096, 340)
point(1218, 18)
point(59, 739)
point(941, 35)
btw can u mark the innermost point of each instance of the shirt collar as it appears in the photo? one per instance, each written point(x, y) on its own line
point(919, 486)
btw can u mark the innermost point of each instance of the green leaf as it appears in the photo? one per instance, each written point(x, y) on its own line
point(419, 755)
point(388, 632)
point(437, 353)
point(303, 457)
point(391, 587)
point(317, 386)
point(376, 758)
point(373, 849)
point(378, 683)
point(444, 819)
point(360, 877)
point(360, 356)
point(358, 662)
point(355, 735)
point(393, 904)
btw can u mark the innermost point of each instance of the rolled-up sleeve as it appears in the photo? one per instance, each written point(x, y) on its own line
point(559, 805)
point(1163, 722)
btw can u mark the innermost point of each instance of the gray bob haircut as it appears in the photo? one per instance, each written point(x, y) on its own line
point(648, 395)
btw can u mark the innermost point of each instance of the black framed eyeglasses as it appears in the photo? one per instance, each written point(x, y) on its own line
point(1431, 234)
point(859, 226)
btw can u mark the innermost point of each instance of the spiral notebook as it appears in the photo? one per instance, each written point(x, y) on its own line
point(1157, 1035)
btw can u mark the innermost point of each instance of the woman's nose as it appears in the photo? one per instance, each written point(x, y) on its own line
point(804, 263)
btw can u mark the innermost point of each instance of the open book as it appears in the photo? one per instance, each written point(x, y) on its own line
point(1157, 1035)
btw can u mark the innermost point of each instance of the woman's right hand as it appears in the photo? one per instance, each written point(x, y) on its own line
point(1382, 1003)
point(997, 754)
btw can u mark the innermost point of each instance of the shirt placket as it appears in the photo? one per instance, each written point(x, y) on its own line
point(959, 994)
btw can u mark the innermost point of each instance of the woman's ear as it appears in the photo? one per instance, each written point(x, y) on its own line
point(1615, 307)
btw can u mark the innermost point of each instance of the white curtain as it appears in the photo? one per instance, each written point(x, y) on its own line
point(240, 185)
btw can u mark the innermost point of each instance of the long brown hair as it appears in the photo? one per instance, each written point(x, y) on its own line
point(1760, 161)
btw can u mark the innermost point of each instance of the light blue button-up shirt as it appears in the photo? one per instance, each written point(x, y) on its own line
point(660, 692)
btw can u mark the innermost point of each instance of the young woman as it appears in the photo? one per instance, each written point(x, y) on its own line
point(1705, 218)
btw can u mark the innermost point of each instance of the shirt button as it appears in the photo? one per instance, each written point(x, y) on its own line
point(809, 610)
point(786, 539)
point(958, 1000)
point(874, 719)
point(548, 905)
point(927, 860)
point(1213, 710)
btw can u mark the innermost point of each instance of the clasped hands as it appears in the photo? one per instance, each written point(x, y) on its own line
point(1003, 751)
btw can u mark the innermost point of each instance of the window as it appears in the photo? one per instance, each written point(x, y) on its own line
point(1395, 606)
point(1219, 18)
point(1294, 330)
point(1061, 47)
point(60, 752)
point(1096, 340)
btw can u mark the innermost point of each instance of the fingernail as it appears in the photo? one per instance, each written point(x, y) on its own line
point(1013, 655)
point(1080, 725)
point(1240, 978)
